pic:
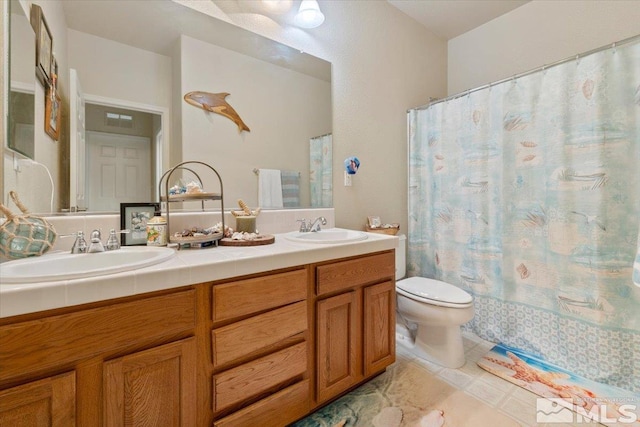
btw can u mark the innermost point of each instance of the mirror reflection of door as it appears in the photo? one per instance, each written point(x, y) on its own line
point(120, 160)
point(119, 170)
point(115, 149)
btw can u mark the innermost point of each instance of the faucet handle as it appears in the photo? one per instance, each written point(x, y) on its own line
point(315, 225)
point(112, 241)
point(80, 245)
point(303, 225)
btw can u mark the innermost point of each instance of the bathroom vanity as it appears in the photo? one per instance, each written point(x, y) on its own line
point(268, 340)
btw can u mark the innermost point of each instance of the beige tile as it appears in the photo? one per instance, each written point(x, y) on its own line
point(528, 397)
point(497, 382)
point(425, 364)
point(470, 367)
point(522, 411)
point(486, 393)
point(455, 377)
point(462, 410)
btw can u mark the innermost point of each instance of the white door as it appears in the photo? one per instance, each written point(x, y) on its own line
point(77, 176)
point(118, 170)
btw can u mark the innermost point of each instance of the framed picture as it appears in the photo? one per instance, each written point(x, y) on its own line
point(134, 217)
point(52, 114)
point(44, 45)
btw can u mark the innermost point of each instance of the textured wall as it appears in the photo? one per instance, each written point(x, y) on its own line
point(538, 33)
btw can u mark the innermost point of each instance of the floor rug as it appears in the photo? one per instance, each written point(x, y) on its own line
point(565, 397)
point(405, 395)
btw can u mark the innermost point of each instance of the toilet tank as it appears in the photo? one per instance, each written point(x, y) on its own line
point(401, 257)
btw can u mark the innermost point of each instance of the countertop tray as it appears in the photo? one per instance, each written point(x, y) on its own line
point(265, 239)
point(190, 197)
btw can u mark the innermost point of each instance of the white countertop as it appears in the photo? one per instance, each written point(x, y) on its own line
point(187, 267)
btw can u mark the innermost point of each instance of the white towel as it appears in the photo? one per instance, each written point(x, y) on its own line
point(636, 265)
point(269, 188)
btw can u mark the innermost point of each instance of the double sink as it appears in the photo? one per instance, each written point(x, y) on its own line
point(65, 266)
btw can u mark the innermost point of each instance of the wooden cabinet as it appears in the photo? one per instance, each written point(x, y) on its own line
point(261, 350)
point(152, 387)
point(110, 363)
point(49, 402)
point(337, 344)
point(355, 315)
point(379, 317)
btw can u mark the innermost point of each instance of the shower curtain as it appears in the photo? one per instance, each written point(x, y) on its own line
point(527, 195)
point(320, 179)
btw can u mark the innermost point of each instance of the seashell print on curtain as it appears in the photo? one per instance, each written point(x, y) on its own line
point(527, 195)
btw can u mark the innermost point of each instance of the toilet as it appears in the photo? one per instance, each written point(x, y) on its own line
point(430, 313)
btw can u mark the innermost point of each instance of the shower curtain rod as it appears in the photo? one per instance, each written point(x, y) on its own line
point(321, 136)
point(526, 73)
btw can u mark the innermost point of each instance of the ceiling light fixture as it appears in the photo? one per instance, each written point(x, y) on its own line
point(309, 14)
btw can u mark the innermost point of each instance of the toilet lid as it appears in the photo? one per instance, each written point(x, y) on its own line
point(434, 290)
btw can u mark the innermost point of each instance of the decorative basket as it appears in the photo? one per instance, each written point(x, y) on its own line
point(392, 231)
point(25, 235)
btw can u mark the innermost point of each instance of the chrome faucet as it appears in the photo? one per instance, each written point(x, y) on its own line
point(314, 225)
point(96, 242)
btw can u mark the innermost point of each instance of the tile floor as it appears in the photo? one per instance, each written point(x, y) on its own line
point(504, 397)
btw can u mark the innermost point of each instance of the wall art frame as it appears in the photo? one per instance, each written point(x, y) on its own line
point(44, 45)
point(52, 114)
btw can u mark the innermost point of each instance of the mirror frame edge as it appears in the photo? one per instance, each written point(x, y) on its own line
point(4, 80)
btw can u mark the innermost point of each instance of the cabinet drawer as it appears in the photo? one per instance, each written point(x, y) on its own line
point(355, 272)
point(251, 379)
point(45, 344)
point(258, 294)
point(246, 336)
point(276, 410)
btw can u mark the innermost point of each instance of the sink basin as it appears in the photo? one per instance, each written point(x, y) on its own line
point(64, 266)
point(330, 235)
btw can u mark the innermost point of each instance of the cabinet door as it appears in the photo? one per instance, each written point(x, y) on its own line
point(155, 387)
point(49, 402)
point(338, 350)
point(379, 327)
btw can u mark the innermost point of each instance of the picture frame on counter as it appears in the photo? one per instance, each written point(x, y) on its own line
point(134, 217)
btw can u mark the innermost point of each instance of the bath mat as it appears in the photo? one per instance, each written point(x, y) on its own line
point(564, 396)
point(406, 395)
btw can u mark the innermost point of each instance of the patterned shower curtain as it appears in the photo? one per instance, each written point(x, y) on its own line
point(321, 179)
point(527, 195)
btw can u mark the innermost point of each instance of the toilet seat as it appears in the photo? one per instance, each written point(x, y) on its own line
point(435, 292)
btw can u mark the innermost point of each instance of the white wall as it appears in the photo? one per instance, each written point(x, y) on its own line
point(283, 109)
point(538, 33)
point(383, 63)
point(120, 71)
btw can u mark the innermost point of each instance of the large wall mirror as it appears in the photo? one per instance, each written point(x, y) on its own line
point(20, 127)
point(125, 68)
